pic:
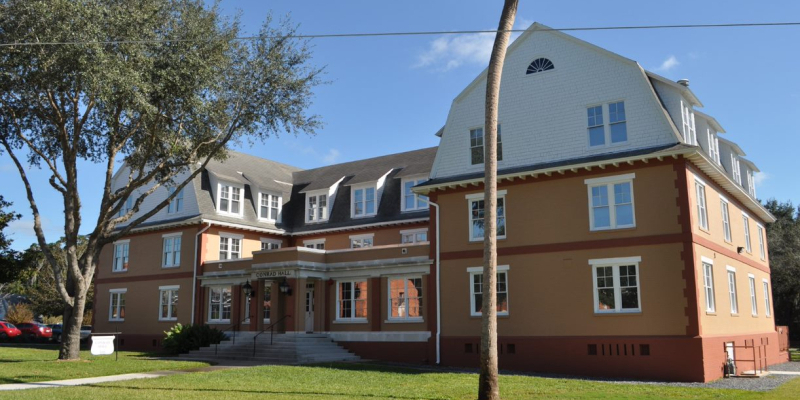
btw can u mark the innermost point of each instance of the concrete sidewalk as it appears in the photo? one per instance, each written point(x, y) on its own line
point(115, 378)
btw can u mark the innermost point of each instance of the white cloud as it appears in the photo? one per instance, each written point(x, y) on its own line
point(668, 64)
point(452, 51)
point(760, 177)
point(331, 156)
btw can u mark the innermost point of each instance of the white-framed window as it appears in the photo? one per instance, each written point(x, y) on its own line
point(611, 202)
point(176, 205)
point(414, 236)
point(270, 244)
point(351, 300)
point(269, 207)
point(127, 207)
point(751, 183)
point(732, 296)
point(364, 201)
point(753, 302)
point(737, 172)
point(267, 301)
point(476, 215)
point(318, 244)
point(603, 132)
point(476, 290)
point(726, 218)
point(700, 198)
point(230, 246)
point(405, 298)
point(746, 224)
point(767, 309)
point(410, 200)
point(229, 199)
point(316, 207)
point(476, 141)
point(713, 146)
point(761, 247)
point(616, 285)
point(361, 241)
point(219, 304)
point(171, 256)
point(708, 284)
point(116, 308)
point(168, 303)
point(689, 133)
point(121, 251)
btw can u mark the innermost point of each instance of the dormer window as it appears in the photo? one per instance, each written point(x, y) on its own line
point(737, 172)
point(539, 65)
point(610, 131)
point(230, 199)
point(751, 183)
point(363, 203)
point(689, 133)
point(713, 146)
point(269, 207)
point(410, 200)
point(176, 205)
point(316, 207)
point(476, 145)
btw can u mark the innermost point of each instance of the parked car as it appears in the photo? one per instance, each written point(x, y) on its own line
point(35, 331)
point(86, 332)
point(56, 328)
point(8, 331)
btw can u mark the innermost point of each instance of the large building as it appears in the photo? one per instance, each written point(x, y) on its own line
point(630, 239)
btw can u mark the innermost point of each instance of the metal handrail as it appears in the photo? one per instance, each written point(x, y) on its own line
point(271, 329)
point(236, 325)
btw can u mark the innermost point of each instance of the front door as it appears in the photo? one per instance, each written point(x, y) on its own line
point(309, 307)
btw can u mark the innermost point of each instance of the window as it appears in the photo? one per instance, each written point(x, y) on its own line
point(708, 285)
point(363, 202)
point(689, 133)
point(602, 132)
point(762, 251)
point(747, 245)
point(751, 183)
point(230, 246)
point(121, 250)
point(351, 301)
point(476, 290)
point(732, 290)
point(713, 146)
point(702, 214)
point(767, 310)
point(726, 219)
point(176, 205)
point(477, 210)
point(411, 200)
point(269, 206)
point(316, 207)
point(539, 65)
point(611, 202)
point(116, 309)
point(219, 304)
point(230, 199)
point(405, 298)
point(172, 251)
point(168, 303)
point(318, 244)
point(267, 300)
point(127, 207)
point(753, 303)
point(270, 244)
point(414, 236)
point(616, 285)
point(476, 145)
point(359, 241)
point(737, 172)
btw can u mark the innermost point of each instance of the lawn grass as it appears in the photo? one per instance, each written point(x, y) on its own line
point(37, 364)
point(360, 381)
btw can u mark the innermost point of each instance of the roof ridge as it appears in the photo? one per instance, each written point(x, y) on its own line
point(368, 159)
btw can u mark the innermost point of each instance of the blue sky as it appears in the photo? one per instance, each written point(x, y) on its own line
point(391, 94)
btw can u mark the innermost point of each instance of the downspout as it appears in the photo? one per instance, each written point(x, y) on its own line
point(438, 290)
point(194, 269)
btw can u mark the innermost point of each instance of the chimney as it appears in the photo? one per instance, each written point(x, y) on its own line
point(683, 82)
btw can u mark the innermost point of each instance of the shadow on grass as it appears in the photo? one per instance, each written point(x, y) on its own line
point(26, 379)
point(367, 366)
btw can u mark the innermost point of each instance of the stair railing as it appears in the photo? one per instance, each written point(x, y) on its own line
point(271, 330)
point(233, 328)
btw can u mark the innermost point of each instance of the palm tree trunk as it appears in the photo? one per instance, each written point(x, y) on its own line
point(488, 387)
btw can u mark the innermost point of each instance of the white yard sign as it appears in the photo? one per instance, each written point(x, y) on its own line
point(102, 345)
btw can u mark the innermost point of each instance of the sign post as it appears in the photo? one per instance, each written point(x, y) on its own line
point(103, 344)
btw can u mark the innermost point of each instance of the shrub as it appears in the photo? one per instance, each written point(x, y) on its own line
point(185, 338)
point(50, 320)
point(19, 314)
point(87, 317)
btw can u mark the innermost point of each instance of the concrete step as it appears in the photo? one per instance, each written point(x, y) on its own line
point(284, 349)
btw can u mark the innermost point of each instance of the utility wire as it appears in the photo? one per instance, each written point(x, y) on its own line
point(418, 33)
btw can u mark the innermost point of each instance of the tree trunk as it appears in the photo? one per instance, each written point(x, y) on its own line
point(488, 387)
point(71, 328)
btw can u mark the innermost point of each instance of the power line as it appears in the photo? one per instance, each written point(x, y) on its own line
point(417, 33)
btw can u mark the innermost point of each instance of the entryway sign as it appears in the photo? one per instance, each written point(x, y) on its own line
point(102, 345)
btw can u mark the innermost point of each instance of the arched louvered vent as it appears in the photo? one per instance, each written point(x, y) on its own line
point(539, 65)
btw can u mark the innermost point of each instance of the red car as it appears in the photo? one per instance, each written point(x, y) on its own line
point(34, 331)
point(8, 331)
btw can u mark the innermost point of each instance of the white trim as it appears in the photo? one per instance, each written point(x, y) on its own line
point(231, 235)
point(169, 287)
point(173, 252)
point(608, 182)
point(122, 241)
point(729, 268)
point(166, 235)
point(482, 195)
point(473, 271)
point(751, 276)
point(417, 179)
point(597, 262)
point(362, 236)
point(269, 206)
point(314, 242)
point(219, 286)
point(616, 284)
point(706, 260)
point(220, 184)
point(316, 194)
point(410, 231)
point(269, 240)
point(406, 319)
point(364, 186)
point(610, 179)
point(501, 194)
point(111, 293)
point(500, 268)
point(364, 226)
point(121, 290)
point(172, 306)
point(353, 319)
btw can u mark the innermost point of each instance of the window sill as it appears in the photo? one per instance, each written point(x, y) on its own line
point(712, 313)
point(363, 216)
point(219, 322)
point(704, 230)
point(350, 321)
point(317, 221)
point(167, 319)
point(754, 316)
point(499, 315)
point(170, 266)
point(118, 271)
point(481, 239)
point(227, 214)
point(617, 313)
point(615, 229)
point(404, 321)
point(734, 315)
point(116, 320)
